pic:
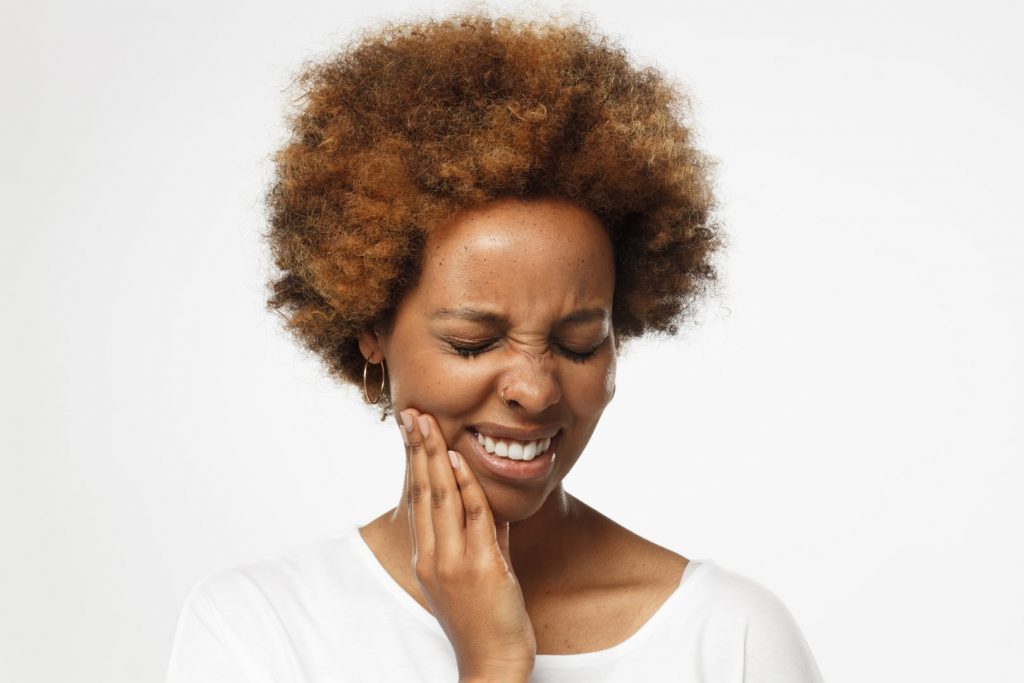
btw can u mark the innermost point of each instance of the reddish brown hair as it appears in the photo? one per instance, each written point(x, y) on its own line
point(414, 122)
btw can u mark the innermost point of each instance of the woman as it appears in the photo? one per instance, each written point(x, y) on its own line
point(470, 220)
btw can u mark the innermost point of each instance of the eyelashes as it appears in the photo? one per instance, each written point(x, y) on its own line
point(577, 356)
point(474, 351)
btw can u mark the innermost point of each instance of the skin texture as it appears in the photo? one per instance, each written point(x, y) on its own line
point(551, 563)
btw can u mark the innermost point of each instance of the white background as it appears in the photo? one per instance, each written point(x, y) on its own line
point(843, 426)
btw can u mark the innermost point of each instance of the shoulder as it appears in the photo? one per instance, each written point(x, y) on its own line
point(729, 594)
point(744, 618)
point(257, 594)
point(238, 623)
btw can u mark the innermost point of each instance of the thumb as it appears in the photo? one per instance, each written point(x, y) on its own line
point(501, 531)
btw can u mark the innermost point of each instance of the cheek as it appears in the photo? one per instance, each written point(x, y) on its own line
point(442, 386)
point(609, 380)
point(590, 388)
point(451, 389)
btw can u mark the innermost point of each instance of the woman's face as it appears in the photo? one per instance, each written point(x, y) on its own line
point(515, 296)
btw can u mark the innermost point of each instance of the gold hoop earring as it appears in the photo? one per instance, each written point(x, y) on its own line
point(380, 392)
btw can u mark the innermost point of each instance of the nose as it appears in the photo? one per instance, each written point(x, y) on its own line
point(531, 385)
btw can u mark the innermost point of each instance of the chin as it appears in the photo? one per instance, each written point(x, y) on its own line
point(512, 505)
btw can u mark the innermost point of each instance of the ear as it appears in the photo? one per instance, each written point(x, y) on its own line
point(370, 345)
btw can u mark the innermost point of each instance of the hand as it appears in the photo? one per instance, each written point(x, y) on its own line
point(461, 559)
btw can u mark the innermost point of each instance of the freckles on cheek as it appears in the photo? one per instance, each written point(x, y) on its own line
point(444, 388)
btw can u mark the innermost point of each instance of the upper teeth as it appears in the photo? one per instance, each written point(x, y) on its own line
point(512, 449)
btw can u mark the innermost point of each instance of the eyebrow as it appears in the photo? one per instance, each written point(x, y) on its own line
point(584, 315)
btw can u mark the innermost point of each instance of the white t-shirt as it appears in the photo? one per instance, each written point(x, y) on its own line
point(329, 612)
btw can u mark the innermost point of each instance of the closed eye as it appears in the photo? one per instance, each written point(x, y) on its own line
point(470, 351)
point(476, 350)
point(578, 356)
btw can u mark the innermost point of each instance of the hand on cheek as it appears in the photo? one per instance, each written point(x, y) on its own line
point(461, 558)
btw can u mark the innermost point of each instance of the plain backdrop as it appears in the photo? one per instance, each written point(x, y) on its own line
point(842, 424)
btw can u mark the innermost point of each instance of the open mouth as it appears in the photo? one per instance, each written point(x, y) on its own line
point(513, 449)
point(513, 458)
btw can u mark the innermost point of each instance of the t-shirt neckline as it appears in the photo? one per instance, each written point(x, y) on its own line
point(695, 569)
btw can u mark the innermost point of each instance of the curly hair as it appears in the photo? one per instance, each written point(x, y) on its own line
point(414, 122)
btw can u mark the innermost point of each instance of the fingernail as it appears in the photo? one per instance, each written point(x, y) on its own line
point(404, 433)
point(454, 457)
point(424, 426)
point(407, 421)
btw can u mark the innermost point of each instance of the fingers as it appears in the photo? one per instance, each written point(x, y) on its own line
point(421, 528)
point(481, 535)
point(446, 503)
point(449, 514)
point(440, 505)
point(501, 531)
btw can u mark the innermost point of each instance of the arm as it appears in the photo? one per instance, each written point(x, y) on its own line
point(775, 650)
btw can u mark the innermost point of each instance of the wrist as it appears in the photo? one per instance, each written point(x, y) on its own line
point(503, 675)
point(505, 670)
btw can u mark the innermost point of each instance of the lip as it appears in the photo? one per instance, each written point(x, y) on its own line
point(506, 468)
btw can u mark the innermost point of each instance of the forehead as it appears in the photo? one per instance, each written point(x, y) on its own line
point(522, 257)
